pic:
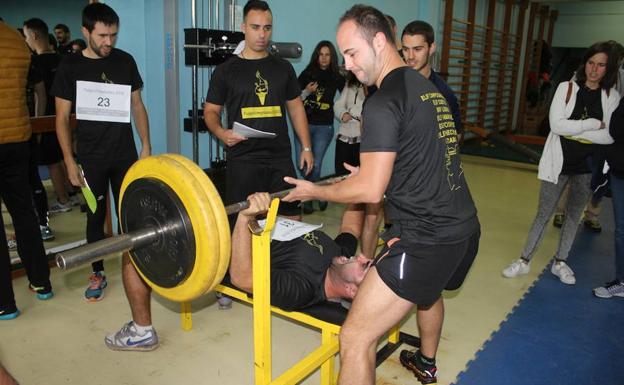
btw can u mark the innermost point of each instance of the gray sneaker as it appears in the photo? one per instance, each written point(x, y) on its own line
point(129, 339)
point(58, 207)
point(611, 289)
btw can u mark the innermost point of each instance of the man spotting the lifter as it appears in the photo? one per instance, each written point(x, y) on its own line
point(408, 154)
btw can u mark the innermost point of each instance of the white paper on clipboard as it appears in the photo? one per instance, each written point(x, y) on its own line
point(249, 132)
point(287, 229)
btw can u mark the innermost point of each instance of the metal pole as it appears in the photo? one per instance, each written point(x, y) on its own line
point(144, 237)
point(106, 247)
point(195, 112)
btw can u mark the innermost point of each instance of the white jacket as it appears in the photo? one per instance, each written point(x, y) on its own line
point(551, 162)
point(350, 100)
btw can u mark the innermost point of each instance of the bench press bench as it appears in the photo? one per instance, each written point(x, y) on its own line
point(327, 317)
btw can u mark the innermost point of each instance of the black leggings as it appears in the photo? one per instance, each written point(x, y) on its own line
point(40, 197)
point(346, 153)
point(15, 192)
point(99, 175)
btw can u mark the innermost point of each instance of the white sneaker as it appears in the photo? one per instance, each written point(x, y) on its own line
point(59, 207)
point(128, 338)
point(563, 271)
point(517, 267)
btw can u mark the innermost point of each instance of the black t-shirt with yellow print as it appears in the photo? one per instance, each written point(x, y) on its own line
point(254, 93)
point(427, 196)
point(319, 105)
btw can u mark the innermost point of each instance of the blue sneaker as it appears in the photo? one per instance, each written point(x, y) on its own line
point(7, 314)
point(43, 293)
point(97, 284)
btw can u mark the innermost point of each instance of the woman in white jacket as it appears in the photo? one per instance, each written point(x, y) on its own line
point(579, 116)
point(348, 110)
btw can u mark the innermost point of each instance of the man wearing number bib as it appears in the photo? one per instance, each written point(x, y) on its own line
point(103, 86)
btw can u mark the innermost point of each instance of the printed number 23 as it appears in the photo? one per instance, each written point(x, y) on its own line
point(103, 102)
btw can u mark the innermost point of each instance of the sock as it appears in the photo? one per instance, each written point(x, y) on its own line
point(525, 260)
point(429, 362)
point(141, 330)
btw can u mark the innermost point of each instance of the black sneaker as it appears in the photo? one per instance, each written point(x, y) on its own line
point(558, 220)
point(592, 225)
point(43, 292)
point(409, 359)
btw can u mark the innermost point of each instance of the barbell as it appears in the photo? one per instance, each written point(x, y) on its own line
point(175, 228)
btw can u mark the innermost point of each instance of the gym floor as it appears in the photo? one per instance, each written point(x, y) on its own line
point(528, 330)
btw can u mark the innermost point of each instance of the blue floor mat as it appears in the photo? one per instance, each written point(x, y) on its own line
point(560, 334)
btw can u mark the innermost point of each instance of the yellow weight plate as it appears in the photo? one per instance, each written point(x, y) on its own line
point(218, 213)
point(180, 178)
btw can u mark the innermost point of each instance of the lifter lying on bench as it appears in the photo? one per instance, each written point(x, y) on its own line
point(304, 271)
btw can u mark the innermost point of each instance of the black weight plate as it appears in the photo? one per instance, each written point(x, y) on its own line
point(150, 203)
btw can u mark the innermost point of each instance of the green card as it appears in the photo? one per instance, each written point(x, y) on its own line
point(89, 198)
point(88, 194)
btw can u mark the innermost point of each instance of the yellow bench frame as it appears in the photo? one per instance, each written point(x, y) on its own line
point(323, 357)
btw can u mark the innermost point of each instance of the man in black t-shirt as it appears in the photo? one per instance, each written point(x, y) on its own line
point(304, 271)
point(46, 148)
point(256, 89)
point(63, 37)
point(102, 84)
point(418, 47)
point(409, 155)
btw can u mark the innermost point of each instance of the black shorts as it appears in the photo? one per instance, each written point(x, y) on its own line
point(245, 177)
point(47, 149)
point(419, 272)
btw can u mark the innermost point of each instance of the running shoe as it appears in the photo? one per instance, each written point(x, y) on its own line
point(517, 268)
point(43, 292)
point(563, 271)
point(224, 301)
point(610, 289)
point(426, 374)
point(592, 225)
point(58, 207)
point(46, 233)
point(97, 284)
point(558, 220)
point(129, 339)
point(8, 313)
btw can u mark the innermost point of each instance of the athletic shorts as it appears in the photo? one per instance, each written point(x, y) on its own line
point(245, 177)
point(419, 272)
point(47, 149)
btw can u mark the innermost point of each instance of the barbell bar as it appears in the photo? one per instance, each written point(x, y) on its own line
point(174, 227)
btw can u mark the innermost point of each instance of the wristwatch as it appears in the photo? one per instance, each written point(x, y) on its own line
point(307, 149)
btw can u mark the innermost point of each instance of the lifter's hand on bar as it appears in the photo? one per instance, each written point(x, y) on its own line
point(258, 203)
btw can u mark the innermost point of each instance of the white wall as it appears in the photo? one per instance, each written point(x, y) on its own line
point(580, 24)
